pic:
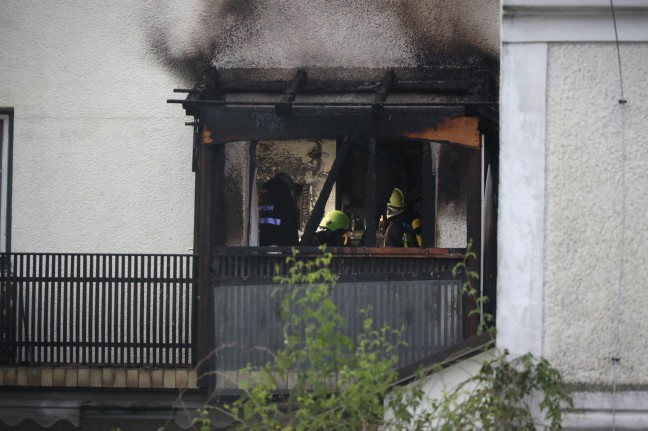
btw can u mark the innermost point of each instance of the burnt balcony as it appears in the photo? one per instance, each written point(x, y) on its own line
point(411, 288)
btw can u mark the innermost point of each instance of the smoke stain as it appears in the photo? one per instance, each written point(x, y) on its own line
point(443, 34)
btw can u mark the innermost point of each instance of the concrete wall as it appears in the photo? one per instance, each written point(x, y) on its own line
point(573, 199)
point(597, 212)
point(101, 162)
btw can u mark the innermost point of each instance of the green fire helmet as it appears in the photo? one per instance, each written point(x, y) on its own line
point(335, 220)
point(397, 199)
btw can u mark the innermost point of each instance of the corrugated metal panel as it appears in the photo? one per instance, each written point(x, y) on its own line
point(248, 324)
point(414, 288)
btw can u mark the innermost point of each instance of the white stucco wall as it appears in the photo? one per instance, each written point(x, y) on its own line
point(571, 252)
point(597, 212)
point(101, 162)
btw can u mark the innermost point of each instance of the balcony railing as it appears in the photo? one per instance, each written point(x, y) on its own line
point(140, 310)
point(410, 288)
point(97, 309)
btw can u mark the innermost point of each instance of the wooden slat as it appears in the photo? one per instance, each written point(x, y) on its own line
point(455, 130)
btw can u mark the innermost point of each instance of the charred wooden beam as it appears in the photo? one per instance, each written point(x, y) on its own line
point(428, 216)
point(318, 210)
point(196, 145)
point(285, 105)
point(204, 237)
point(467, 348)
point(459, 87)
point(233, 125)
point(326, 105)
point(370, 231)
point(488, 117)
point(473, 236)
point(489, 246)
point(218, 214)
point(204, 89)
point(382, 93)
point(447, 86)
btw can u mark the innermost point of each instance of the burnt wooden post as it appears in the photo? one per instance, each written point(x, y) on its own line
point(377, 107)
point(318, 209)
point(428, 216)
point(284, 107)
point(489, 269)
point(473, 233)
point(204, 240)
point(370, 229)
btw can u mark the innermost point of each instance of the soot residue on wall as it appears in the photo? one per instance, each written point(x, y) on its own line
point(453, 33)
point(189, 36)
point(183, 35)
point(452, 173)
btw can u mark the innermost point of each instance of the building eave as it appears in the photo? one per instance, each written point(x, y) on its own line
point(528, 21)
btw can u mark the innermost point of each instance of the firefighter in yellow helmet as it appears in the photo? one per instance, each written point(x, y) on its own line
point(397, 225)
point(333, 230)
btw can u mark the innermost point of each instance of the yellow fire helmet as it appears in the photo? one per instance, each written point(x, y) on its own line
point(397, 199)
point(335, 220)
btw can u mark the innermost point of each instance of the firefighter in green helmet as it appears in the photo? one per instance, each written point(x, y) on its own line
point(333, 230)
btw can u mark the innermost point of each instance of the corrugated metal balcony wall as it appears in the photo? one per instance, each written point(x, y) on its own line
point(410, 288)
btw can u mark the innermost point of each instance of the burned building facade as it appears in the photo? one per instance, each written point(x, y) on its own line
point(350, 111)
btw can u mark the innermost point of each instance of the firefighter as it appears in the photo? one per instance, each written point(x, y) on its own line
point(333, 230)
point(397, 224)
point(278, 217)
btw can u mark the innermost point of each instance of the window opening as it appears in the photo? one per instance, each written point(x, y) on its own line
point(332, 178)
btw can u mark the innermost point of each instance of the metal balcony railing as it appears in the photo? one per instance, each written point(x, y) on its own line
point(97, 309)
point(412, 289)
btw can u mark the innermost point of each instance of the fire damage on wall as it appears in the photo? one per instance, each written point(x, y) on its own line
point(347, 141)
point(351, 101)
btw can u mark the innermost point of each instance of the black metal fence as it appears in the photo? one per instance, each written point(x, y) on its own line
point(97, 309)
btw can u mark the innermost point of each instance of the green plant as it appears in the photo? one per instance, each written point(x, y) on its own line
point(344, 384)
point(468, 288)
point(501, 395)
point(338, 383)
